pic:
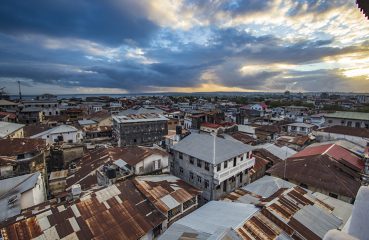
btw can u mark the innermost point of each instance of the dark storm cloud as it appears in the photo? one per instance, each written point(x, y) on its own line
point(107, 21)
point(70, 44)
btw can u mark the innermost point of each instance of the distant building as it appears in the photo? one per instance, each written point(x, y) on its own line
point(11, 130)
point(8, 106)
point(357, 135)
point(300, 128)
point(142, 129)
point(349, 119)
point(62, 133)
point(48, 106)
point(30, 115)
point(214, 165)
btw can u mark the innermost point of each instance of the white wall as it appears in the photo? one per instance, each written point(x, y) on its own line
point(35, 195)
point(147, 163)
point(325, 136)
point(74, 136)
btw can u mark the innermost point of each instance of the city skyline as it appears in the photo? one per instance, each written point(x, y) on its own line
point(87, 47)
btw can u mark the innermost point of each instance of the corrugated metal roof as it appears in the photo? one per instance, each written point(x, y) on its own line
point(288, 210)
point(7, 128)
point(56, 130)
point(115, 212)
point(165, 191)
point(216, 214)
point(349, 115)
point(202, 146)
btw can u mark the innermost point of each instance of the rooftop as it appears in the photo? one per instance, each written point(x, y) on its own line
point(116, 212)
point(287, 209)
point(4, 102)
point(344, 130)
point(165, 190)
point(211, 149)
point(7, 128)
point(212, 219)
point(349, 115)
point(56, 130)
point(16, 146)
point(145, 117)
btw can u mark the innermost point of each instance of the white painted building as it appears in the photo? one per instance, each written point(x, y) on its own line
point(300, 128)
point(62, 133)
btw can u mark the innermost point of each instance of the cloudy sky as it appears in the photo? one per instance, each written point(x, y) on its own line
point(120, 46)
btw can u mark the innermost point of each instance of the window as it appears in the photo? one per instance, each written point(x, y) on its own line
point(191, 175)
point(333, 195)
point(234, 162)
point(242, 156)
point(181, 170)
point(357, 124)
point(199, 179)
point(199, 163)
point(225, 164)
point(192, 160)
point(207, 166)
point(180, 155)
point(206, 183)
point(349, 124)
point(219, 166)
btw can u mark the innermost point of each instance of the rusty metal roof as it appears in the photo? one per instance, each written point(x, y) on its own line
point(16, 146)
point(287, 212)
point(115, 212)
point(161, 190)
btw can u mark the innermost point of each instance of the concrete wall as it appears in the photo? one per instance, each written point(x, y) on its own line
point(75, 137)
point(140, 133)
point(17, 134)
point(345, 122)
point(148, 164)
point(325, 136)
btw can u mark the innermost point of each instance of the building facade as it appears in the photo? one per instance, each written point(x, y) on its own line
point(142, 129)
point(214, 165)
point(349, 119)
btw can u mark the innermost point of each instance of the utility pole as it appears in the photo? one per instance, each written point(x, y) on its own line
point(20, 93)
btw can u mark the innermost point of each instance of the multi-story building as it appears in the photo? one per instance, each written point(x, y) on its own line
point(49, 107)
point(212, 164)
point(349, 119)
point(141, 129)
point(30, 115)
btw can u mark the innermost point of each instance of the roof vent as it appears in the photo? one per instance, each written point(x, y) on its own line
point(12, 200)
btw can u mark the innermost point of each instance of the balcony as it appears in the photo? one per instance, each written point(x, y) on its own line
point(229, 172)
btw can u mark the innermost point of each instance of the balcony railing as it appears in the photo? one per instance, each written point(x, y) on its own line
point(229, 172)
